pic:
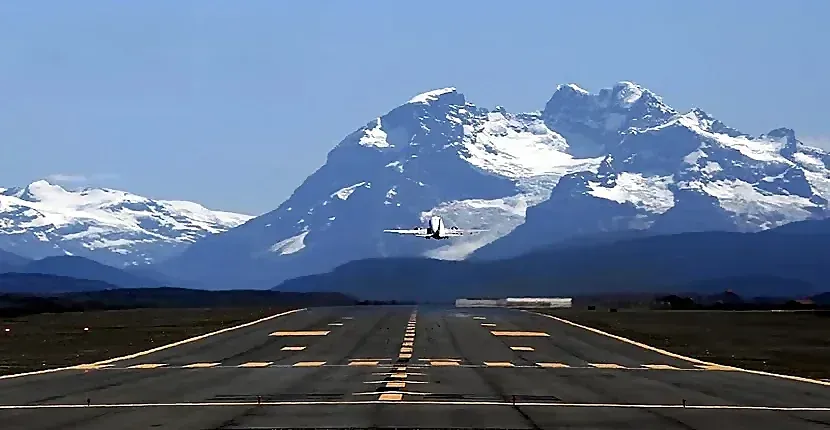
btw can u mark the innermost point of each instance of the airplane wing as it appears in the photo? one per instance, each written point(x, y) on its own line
point(415, 231)
point(463, 232)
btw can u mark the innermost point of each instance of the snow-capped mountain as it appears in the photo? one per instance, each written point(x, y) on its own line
point(110, 226)
point(669, 172)
point(617, 159)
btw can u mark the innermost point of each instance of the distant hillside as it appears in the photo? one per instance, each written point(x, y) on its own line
point(790, 261)
point(83, 268)
point(37, 283)
point(9, 261)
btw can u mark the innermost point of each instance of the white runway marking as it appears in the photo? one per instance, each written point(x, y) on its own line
point(710, 366)
point(420, 402)
point(156, 349)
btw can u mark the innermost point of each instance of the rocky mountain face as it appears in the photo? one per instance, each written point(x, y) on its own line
point(589, 163)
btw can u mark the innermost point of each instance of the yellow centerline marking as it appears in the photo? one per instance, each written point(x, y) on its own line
point(519, 333)
point(404, 355)
point(301, 333)
point(406, 349)
point(256, 364)
point(498, 364)
point(522, 348)
point(390, 396)
point(396, 384)
point(200, 365)
point(147, 366)
point(439, 359)
point(309, 363)
point(292, 348)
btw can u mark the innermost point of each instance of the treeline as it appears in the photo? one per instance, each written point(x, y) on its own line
point(18, 304)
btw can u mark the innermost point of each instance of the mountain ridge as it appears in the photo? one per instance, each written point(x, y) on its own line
point(114, 227)
point(615, 160)
point(784, 262)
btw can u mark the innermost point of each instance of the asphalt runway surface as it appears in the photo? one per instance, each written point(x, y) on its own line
point(408, 367)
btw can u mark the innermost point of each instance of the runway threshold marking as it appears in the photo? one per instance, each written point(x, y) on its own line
point(520, 333)
point(301, 333)
point(417, 403)
point(156, 349)
point(711, 366)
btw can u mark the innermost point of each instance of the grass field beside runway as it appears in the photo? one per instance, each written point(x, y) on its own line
point(792, 343)
point(43, 341)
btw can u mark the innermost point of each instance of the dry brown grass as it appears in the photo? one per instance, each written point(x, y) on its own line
point(45, 341)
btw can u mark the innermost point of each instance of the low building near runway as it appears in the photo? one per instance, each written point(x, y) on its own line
point(477, 303)
point(516, 302)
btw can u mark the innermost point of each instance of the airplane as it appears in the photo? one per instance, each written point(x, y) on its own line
point(435, 230)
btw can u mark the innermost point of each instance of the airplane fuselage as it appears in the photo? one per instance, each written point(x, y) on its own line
point(436, 229)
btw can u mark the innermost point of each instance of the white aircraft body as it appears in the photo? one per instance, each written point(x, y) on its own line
point(435, 229)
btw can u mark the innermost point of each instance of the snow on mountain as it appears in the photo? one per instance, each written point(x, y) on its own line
point(111, 226)
point(617, 159)
point(435, 154)
point(670, 172)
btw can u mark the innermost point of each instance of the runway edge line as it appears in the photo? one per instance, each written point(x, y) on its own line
point(678, 356)
point(156, 349)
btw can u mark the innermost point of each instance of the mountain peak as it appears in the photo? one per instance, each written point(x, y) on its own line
point(432, 95)
point(572, 88)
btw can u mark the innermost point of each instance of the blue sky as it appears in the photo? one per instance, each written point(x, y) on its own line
point(233, 104)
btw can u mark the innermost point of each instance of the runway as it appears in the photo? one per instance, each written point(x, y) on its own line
point(409, 367)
